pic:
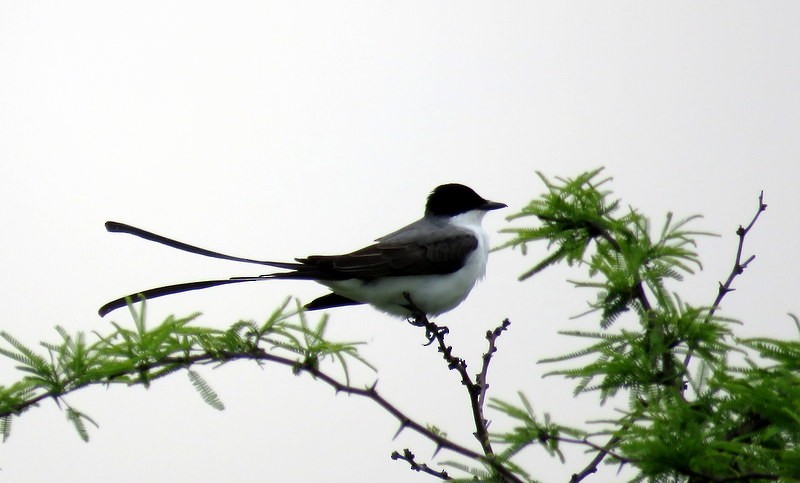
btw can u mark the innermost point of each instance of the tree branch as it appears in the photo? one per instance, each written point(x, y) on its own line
point(738, 268)
point(408, 457)
point(491, 336)
point(259, 354)
point(476, 390)
point(157, 367)
point(601, 455)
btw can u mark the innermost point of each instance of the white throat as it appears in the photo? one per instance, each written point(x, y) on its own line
point(471, 221)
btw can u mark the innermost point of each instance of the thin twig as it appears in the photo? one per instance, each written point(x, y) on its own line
point(491, 336)
point(437, 333)
point(738, 268)
point(408, 457)
point(592, 466)
point(474, 389)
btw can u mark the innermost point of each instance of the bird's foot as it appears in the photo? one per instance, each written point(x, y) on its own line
point(418, 318)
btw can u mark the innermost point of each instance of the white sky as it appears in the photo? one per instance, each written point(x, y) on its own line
point(275, 130)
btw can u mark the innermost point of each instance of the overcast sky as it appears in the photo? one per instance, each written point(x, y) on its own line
point(274, 130)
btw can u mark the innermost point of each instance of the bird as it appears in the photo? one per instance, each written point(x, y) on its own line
point(428, 266)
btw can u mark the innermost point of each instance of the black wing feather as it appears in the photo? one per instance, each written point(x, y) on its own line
point(438, 257)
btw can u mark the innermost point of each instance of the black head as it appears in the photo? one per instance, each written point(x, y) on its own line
point(453, 199)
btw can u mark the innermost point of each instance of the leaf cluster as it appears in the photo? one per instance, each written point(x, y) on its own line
point(692, 413)
point(140, 354)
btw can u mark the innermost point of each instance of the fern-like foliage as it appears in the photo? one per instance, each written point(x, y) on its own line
point(78, 420)
point(691, 415)
point(5, 426)
point(583, 225)
point(530, 430)
point(141, 354)
point(204, 389)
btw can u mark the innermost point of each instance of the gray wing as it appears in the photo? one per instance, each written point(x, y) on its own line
point(422, 248)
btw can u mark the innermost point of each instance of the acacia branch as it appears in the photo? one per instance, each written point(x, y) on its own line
point(724, 288)
point(146, 372)
point(256, 354)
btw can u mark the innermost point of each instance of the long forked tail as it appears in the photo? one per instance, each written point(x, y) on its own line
point(169, 290)
point(117, 227)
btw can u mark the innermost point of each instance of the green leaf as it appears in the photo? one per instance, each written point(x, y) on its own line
point(77, 419)
point(209, 396)
point(5, 426)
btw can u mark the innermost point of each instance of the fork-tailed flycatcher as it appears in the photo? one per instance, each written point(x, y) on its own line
point(434, 261)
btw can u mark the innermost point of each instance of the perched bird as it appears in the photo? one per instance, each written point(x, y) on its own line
point(432, 263)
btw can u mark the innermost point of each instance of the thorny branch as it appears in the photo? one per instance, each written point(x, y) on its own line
point(738, 268)
point(259, 354)
point(724, 288)
point(433, 332)
point(477, 389)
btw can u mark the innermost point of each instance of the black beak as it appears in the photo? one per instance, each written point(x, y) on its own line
point(493, 205)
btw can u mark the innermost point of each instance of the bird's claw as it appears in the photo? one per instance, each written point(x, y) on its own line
point(418, 318)
point(433, 332)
